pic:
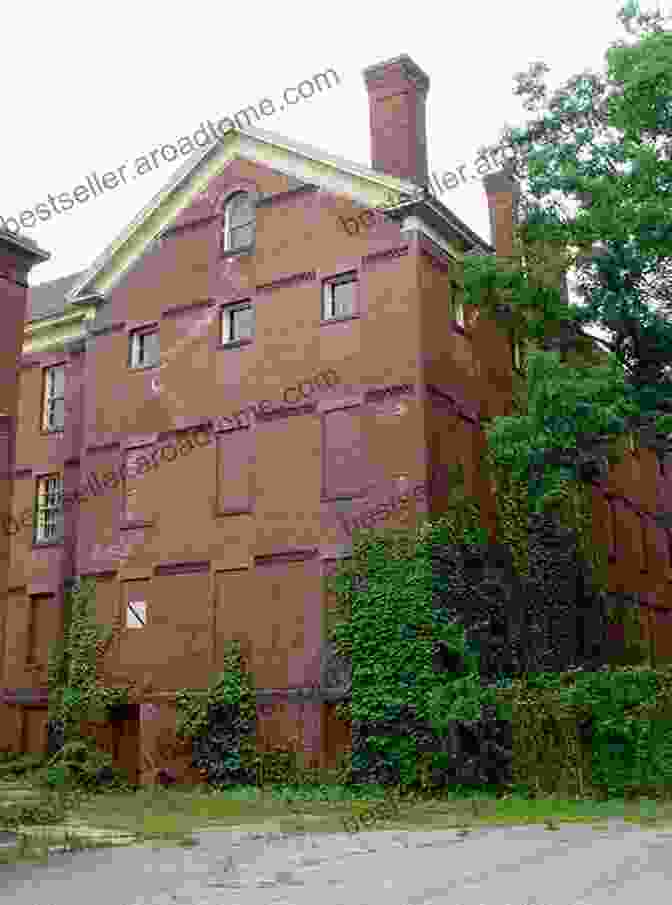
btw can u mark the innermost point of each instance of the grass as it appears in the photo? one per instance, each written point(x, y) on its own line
point(171, 816)
point(36, 848)
point(157, 813)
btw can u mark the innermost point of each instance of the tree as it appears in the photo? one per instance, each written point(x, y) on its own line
point(595, 167)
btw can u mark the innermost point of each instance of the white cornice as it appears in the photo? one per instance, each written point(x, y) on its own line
point(302, 162)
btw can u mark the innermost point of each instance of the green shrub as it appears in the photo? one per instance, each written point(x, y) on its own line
point(13, 765)
point(81, 765)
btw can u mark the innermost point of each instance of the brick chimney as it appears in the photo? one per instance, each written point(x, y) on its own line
point(503, 193)
point(397, 94)
point(18, 255)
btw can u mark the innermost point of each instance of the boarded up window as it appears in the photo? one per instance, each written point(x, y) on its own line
point(235, 459)
point(344, 459)
point(139, 466)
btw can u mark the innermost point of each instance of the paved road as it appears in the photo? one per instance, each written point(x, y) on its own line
point(575, 865)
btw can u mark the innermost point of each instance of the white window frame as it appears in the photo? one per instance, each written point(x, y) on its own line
point(136, 346)
point(228, 243)
point(328, 301)
point(50, 400)
point(49, 509)
point(458, 306)
point(228, 320)
point(136, 614)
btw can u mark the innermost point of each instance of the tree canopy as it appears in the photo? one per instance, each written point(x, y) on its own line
point(594, 166)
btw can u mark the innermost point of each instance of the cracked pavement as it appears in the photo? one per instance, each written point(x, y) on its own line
point(577, 864)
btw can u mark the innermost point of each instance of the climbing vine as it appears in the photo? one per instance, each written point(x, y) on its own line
point(75, 665)
point(222, 722)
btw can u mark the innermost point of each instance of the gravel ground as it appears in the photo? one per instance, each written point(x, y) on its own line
point(575, 865)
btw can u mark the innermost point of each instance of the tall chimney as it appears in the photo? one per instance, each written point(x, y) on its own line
point(18, 255)
point(503, 193)
point(397, 94)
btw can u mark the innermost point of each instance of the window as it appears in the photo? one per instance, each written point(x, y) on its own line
point(458, 307)
point(53, 404)
point(339, 296)
point(145, 348)
point(136, 614)
point(49, 521)
point(517, 354)
point(237, 323)
point(238, 222)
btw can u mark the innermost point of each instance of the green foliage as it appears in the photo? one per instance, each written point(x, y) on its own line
point(79, 763)
point(76, 696)
point(74, 692)
point(606, 733)
point(391, 631)
point(13, 765)
point(222, 721)
point(595, 170)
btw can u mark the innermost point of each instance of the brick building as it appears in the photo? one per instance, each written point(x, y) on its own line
point(238, 373)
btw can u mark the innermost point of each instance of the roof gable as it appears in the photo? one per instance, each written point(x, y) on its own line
point(301, 163)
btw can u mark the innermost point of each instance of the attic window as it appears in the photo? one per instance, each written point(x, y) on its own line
point(239, 223)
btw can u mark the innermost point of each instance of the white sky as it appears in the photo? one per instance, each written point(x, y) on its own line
point(89, 86)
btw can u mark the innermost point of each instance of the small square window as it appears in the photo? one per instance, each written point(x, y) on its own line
point(237, 323)
point(145, 348)
point(49, 509)
point(136, 614)
point(53, 404)
point(339, 297)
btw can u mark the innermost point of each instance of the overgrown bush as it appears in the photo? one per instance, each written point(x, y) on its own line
point(13, 765)
point(80, 764)
point(222, 724)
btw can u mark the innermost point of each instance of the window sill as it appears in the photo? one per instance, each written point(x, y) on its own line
point(235, 344)
point(50, 431)
point(236, 252)
point(144, 367)
point(338, 320)
point(40, 544)
point(221, 513)
point(128, 524)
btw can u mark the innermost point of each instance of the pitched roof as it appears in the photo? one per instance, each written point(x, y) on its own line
point(48, 299)
point(269, 149)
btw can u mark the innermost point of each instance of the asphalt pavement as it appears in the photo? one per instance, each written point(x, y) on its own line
point(576, 864)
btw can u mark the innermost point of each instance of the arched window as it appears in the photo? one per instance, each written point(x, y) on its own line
point(238, 222)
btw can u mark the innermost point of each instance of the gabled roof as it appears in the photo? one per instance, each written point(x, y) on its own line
point(300, 162)
point(48, 299)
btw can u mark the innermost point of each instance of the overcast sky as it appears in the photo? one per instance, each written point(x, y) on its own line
point(92, 86)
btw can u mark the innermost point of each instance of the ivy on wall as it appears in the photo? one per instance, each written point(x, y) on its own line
point(221, 722)
point(75, 664)
point(435, 619)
